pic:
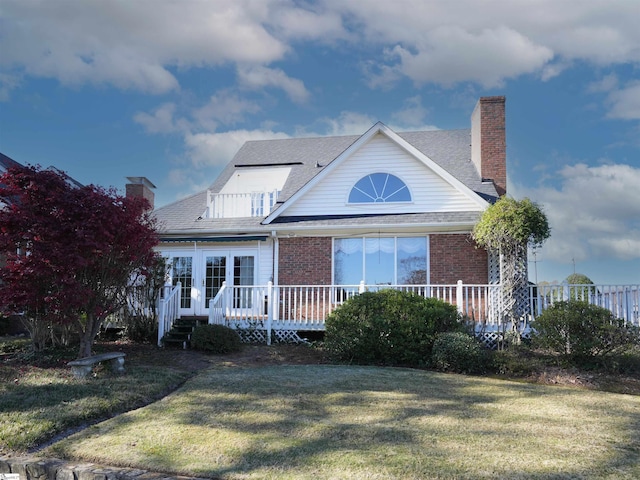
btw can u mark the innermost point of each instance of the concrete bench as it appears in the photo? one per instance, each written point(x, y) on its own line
point(82, 367)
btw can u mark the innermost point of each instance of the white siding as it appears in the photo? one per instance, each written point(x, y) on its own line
point(430, 193)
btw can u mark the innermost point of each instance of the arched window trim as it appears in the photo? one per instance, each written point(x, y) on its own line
point(374, 188)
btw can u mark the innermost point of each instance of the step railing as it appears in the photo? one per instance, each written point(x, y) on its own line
point(168, 309)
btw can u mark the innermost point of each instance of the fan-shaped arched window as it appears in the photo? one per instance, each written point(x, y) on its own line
point(379, 187)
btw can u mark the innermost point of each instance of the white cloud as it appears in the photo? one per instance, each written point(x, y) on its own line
point(217, 149)
point(257, 77)
point(226, 108)
point(7, 83)
point(160, 121)
point(605, 84)
point(147, 44)
point(412, 113)
point(347, 123)
point(489, 42)
point(487, 57)
point(595, 213)
point(625, 103)
point(133, 44)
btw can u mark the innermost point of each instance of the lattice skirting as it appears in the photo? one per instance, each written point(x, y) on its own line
point(253, 335)
point(491, 340)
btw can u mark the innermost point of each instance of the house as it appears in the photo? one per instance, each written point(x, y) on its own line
point(318, 219)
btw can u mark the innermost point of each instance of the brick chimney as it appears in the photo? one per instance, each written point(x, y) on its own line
point(140, 187)
point(488, 141)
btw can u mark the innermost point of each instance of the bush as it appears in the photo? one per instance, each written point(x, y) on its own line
point(519, 361)
point(459, 352)
point(388, 327)
point(583, 333)
point(215, 339)
point(141, 328)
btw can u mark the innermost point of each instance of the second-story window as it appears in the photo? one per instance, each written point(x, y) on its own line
point(379, 188)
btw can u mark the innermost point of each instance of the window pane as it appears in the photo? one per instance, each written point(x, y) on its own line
point(412, 261)
point(379, 258)
point(379, 187)
point(347, 261)
point(243, 275)
point(214, 276)
point(182, 272)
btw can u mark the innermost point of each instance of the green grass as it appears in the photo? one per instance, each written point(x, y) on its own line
point(38, 403)
point(326, 422)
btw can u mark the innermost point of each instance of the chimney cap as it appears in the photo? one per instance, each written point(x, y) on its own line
point(141, 181)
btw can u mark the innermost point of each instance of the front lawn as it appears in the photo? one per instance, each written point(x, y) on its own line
point(323, 421)
point(40, 398)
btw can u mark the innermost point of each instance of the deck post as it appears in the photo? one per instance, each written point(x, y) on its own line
point(361, 288)
point(162, 311)
point(460, 297)
point(269, 310)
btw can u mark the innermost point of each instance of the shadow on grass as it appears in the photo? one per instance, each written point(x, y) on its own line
point(354, 422)
point(32, 414)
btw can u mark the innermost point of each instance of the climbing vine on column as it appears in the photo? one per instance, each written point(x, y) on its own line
point(508, 228)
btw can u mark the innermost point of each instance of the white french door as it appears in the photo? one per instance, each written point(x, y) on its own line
point(238, 269)
point(182, 270)
point(202, 273)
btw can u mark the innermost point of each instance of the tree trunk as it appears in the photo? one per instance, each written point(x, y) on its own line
point(88, 335)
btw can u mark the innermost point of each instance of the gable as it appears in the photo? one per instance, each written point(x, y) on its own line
point(430, 190)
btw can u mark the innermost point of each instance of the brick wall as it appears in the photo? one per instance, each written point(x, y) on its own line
point(455, 257)
point(305, 261)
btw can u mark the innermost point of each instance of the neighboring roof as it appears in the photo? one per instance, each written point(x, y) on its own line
point(307, 157)
point(7, 162)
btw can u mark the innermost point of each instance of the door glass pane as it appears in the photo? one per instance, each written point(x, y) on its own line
point(215, 273)
point(182, 272)
point(347, 261)
point(378, 263)
point(243, 269)
point(412, 261)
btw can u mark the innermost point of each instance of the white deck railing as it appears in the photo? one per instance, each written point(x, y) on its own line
point(169, 309)
point(233, 205)
point(623, 301)
point(306, 307)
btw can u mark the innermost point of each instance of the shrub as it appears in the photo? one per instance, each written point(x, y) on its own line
point(458, 352)
point(141, 328)
point(388, 327)
point(518, 361)
point(215, 339)
point(582, 333)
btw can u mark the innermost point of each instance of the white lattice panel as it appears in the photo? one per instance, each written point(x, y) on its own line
point(254, 335)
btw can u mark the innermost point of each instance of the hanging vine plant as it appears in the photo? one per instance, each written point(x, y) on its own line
point(509, 227)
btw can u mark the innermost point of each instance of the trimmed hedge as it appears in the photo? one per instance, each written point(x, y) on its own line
point(215, 339)
point(388, 327)
point(459, 352)
point(581, 332)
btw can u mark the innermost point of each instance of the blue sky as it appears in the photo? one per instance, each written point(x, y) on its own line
point(170, 90)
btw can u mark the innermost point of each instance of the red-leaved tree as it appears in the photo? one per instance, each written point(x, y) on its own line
point(72, 253)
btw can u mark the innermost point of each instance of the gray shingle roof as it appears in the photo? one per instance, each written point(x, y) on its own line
point(7, 162)
point(450, 149)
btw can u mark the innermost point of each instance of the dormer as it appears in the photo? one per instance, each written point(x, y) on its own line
point(251, 191)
